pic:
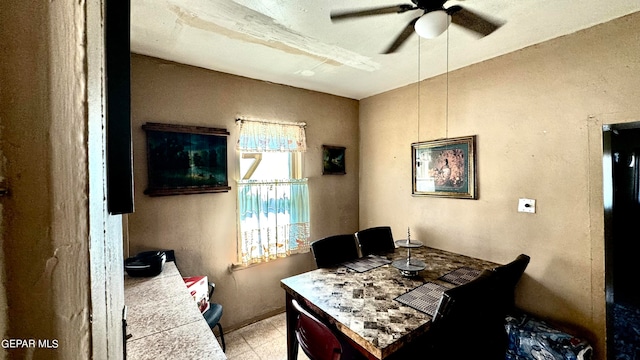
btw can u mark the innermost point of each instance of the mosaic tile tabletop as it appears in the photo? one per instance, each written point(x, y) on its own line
point(362, 305)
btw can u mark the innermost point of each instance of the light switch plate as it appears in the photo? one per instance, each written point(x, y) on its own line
point(527, 206)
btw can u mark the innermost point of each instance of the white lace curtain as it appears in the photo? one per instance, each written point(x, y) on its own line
point(265, 136)
point(273, 214)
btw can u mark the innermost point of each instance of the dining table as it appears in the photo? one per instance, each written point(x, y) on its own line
point(377, 308)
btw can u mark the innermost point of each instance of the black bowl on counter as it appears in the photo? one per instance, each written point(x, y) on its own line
point(145, 264)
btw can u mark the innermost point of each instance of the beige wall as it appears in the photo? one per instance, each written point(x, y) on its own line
point(537, 114)
point(202, 228)
point(54, 288)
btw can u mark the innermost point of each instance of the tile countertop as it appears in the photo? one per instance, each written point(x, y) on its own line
point(164, 321)
point(363, 306)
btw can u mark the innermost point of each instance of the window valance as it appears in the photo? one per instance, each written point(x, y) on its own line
point(266, 136)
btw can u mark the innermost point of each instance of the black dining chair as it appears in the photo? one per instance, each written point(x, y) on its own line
point(333, 250)
point(375, 240)
point(469, 322)
point(214, 314)
point(314, 337)
point(508, 276)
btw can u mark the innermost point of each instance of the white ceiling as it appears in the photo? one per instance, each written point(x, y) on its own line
point(293, 42)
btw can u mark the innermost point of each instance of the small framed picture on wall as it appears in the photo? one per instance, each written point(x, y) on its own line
point(333, 161)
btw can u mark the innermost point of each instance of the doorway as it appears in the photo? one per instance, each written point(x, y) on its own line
point(622, 239)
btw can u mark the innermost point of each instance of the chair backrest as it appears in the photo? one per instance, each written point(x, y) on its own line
point(314, 337)
point(508, 277)
point(333, 250)
point(469, 323)
point(375, 240)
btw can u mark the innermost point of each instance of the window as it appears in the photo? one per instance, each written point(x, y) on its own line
point(270, 165)
point(273, 198)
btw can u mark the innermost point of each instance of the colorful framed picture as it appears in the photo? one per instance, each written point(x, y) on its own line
point(444, 168)
point(186, 159)
point(333, 162)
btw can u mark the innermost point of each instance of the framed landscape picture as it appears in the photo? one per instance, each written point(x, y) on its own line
point(444, 168)
point(186, 159)
point(333, 162)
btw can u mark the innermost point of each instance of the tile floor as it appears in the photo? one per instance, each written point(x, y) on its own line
point(626, 337)
point(264, 340)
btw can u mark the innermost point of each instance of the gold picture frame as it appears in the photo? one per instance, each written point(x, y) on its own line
point(444, 168)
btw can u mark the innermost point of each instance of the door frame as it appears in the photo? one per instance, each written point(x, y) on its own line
point(608, 130)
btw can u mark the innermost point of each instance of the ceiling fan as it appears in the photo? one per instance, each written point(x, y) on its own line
point(434, 20)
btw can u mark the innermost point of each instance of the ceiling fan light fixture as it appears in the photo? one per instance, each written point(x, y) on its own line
point(432, 24)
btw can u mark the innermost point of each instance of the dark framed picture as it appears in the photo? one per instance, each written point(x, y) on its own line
point(186, 159)
point(333, 160)
point(444, 168)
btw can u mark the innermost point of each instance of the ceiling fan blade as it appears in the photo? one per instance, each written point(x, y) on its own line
point(342, 15)
point(402, 37)
point(472, 21)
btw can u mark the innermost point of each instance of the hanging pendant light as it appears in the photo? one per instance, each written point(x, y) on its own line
point(432, 24)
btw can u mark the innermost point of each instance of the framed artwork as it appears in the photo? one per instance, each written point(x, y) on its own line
point(333, 160)
point(186, 159)
point(444, 168)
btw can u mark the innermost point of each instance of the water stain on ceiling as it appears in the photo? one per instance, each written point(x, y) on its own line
point(294, 42)
point(243, 24)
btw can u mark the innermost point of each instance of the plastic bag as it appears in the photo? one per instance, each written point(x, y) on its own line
point(533, 339)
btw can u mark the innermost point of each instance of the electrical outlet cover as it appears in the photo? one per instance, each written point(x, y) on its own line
point(527, 205)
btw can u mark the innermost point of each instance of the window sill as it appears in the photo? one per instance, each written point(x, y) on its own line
point(239, 266)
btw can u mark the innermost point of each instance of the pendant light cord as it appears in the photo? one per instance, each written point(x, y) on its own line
point(446, 89)
point(418, 83)
point(446, 134)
